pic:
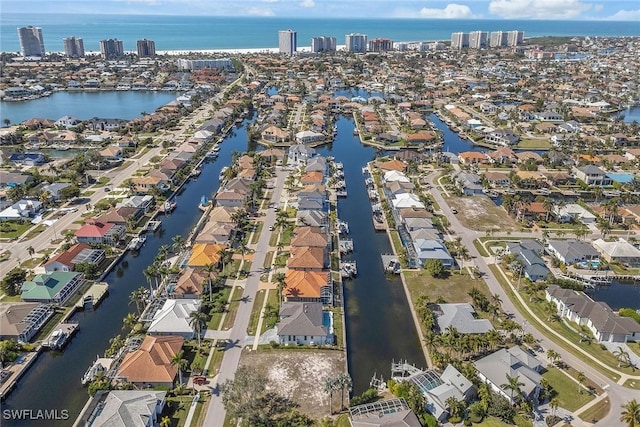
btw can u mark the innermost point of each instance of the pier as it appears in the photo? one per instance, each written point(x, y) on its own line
point(60, 336)
point(94, 295)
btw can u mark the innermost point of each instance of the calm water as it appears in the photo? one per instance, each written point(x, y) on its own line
point(54, 380)
point(210, 32)
point(631, 114)
point(452, 142)
point(379, 323)
point(618, 295)
point(86, 105)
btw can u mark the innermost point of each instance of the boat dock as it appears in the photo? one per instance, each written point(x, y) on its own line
point(346, 246)
point(153, 225)
point(348, 270)
point(93, 297)
point(391, 263)
point(100, 367)
point(60, 336)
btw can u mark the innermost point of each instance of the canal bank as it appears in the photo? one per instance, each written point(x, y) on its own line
point(53, 382)
point(379, 325)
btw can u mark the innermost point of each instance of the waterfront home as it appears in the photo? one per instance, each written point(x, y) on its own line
point(145, 183)
point(307, 136)
point(27, 159)
point(308, 258)
point(221, 214)
point(468, 183)
point(528, 254)
point(203, 254)
point(394, 175)
point(14, 179)
point(502, 137)
point(191, 283)
point(428, 249)
point(298, 155)
point(595, 315)
point(453, 384)
point(231, 198)
point(78, 253)
point(143, 203)
point(406, 200)
point(572, 251)
point(21, 210)
point(275, 134)
point(462, 317)
point(530, 211)
point(472, 158)
point(122, 215)
point(124, 408)
point(308, 286)
point(303, 323)
point(150, 365)
point(174, 318)
point(313, 218)
point(216, 232)
point(67, 122)
point(21, 321)
point(383, 413)
point(51, 288)
point(497, 179)
point(592, 175)
point(513, 362)
point(310, 237)
point(393, 188)
point(503, 156)
point(392, 165)
point(111, 153)
point(312, 178)
point(417, 223)
point(95, 232)
point(620, 251)
point(573, 212)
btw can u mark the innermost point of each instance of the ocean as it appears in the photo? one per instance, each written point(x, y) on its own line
point(215, 32)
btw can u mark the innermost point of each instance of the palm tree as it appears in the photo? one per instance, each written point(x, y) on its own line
point(553, 356)
point(151, 272)
point(631, 413)
point(553, 404)
point(513, 384)
point(581, 377)
point(330, 387)
point(279, 278)
point(198, 320)
point(548, 205)
point(31, 251)
point(180, 363)
point(345, 382)
point(129, 321)
point(178, 243)
point(621, 355)
point(138, 297)
point(210, 269)
point(165, 422)
point(225, 256)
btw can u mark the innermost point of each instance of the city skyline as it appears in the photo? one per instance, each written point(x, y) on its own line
point(625, 10)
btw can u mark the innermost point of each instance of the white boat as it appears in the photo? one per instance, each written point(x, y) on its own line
point(153, 225)
point(223, 173)
point(137, 242)
point(169, 206)
point(97, 369)
point(196, 172)
point(343, 227)
point(56, 340)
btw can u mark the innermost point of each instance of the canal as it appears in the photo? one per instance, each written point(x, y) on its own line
point(379, 324)
point(53, 382)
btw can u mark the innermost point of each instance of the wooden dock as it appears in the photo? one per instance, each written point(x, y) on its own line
point(60, 336)
point(94, 296)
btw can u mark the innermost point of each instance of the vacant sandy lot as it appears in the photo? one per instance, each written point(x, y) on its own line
point(481, 214)
point(300, 375)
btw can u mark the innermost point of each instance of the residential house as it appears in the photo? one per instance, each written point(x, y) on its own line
point(310, 237)
point(112, 153)
point(428, 249)
point(316, 164)
point(216, 232)
point(203, 254)
point(304, 323)
point(307, 136)
point(313, 218)
point(462, 317)
point(143, 203)
point(51, 288)
point(497, 179)
point(392, 165)
point(531, 211)
point(94, 232)
point(452, 384)
point(528, 254)
point(593, 175)
point(125, 408)
point(78, 253)
point(27, 159)
point(191, 283)
point(512, 362)
point(620, 251)
point(406, 200)
point(502, 137)
point(472, 158)
point(145, 183)
point(308, 258)
point(67, 122)
point(468, 183)
point(174, 318)
point(275, 134)
point(308, 286)
point(395, 176)
point(123, 215)
point(595, 315)
point(150, 365)
point(299, 154)
point(573, 212)
point(383, 413)
point(572, 251)
point(21, 210)
point(21, 321)
point(54, 189)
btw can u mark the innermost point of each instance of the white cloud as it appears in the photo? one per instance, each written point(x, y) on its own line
point(308, 3)
point(269, 1)
point(598, 7)
point(626, 15)
point(260, 11)
point(451, 11)
point(538, 9)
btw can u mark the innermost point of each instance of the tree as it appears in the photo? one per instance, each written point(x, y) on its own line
point(165, 422)
point(129, 321)
point(553, 356)
point(330, 385)
point(345, 382)
point(210, 269)
point(621, 356)
point(631, 413)
point(138, 297)
point(178, 243)
point(180, 363)
point(225, 257)
point(12, 281)
point(553, 404)
point(435, 267)
point(279, 278)
point(198, 320)
point(8, 351)
point(513, 385)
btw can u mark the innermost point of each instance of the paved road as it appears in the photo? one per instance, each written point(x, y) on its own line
point(618, 394)
point(215, 412)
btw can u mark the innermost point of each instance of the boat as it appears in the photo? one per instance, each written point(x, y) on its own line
point(97, 369)
point(211, 154)
point(169, 206)
point(216, 148)
point(203, 203)
point(56, 340)
point(196, 172)
point(343, 227)
point(355, 131)
point(137, 242)
point(223, 173)
point(349, 270)
point(153, 225)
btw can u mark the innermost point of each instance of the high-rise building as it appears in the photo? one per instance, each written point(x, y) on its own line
point(287, 41)
point(515, 38)
point(146, 48)
point(478, 40)
point(323, 44)
point(31, 41)
point(380, 45)
point(498, 39)
point(356, 42)
point(73, 47)
point(459, 40)
point(111, 48)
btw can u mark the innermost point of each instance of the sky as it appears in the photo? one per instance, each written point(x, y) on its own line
point(621, 10)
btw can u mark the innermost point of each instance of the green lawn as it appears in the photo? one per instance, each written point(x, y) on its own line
point(493, 422)
point(285, 236)
point(255, 312)
point(453, 289)
point(256, 233)
point(13, 230)
point(567, 389)
point(176, 408)
point(596, 412)
point(233, 308)
point(281, 259)
point(48, 327)
point(214, 321)
point(268, 259)
point(561, 328)
point(338, 327)
point(273, 301)
point(216, 361)
point(395, 240)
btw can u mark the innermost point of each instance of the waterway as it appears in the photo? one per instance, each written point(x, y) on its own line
point(379, 324)
point(54, 380)
point(125, 105)
point(618, 295)
point(452, 141)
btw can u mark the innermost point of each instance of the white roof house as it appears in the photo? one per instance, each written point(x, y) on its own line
point(573, 211)
point(619, 250)
point(461, 317)
point(394, 175)
point(406, 200)
point(22, 209)
point(127, 408)
point(173, 318)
